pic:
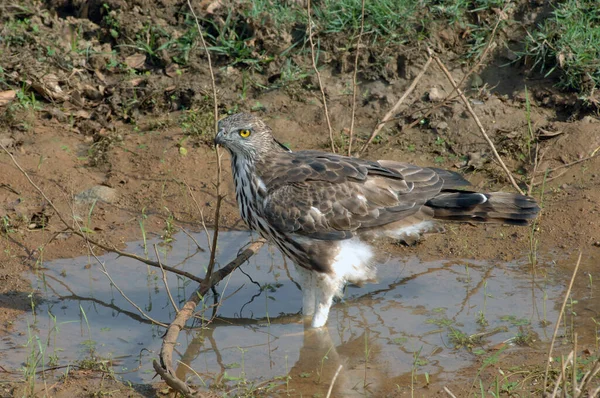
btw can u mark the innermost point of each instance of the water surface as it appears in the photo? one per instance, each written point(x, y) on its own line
point(416, 320)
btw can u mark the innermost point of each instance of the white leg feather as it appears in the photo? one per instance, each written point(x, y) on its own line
point(327, 286)
point(352, 263)
point(308, 290)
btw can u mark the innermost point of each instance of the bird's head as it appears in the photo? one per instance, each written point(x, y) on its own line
point(246, 135)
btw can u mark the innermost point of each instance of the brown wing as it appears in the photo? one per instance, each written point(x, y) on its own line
point(331, 197)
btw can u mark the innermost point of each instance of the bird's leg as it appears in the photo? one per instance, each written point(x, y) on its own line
point(308, 291)
point(326, 287)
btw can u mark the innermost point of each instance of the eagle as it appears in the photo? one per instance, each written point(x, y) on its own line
point(324, 210)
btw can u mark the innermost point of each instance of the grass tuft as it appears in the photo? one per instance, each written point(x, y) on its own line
point(568, 43)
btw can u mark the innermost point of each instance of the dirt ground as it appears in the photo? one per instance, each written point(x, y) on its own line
point(90, 126)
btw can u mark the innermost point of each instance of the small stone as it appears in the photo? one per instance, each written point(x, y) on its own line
point(442, 126)
point(95, 193)
point(589, 119)
point(435, 95)
point(7, 142)
point(510, 55)
point(476, 81)
point(476, 160)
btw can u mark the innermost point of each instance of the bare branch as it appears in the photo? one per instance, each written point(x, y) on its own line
point(560, 313)
point(477, 121)
point(337, 372)
point(354, 83)
point(389, 116)
point(164, 279)
point(213, 251)
point(165, 367)
point(479, 62)
point(570, 164)
point(314, 64)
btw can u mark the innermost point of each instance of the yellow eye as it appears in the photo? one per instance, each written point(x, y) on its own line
point(244, 133)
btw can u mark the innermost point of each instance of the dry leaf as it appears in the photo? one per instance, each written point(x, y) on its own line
point(173, 70)
point(83, 114)
point(7, 96)
point(135, 61)
point(136, 82)
point(100, 76)
point(49, 87)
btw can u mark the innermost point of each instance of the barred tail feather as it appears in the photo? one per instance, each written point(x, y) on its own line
point(500, 207)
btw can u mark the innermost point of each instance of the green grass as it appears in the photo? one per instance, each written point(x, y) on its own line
point(568, 42)
point(386, 20)
point(388, 24)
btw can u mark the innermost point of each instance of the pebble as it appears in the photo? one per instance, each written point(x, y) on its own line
point(435, 95)
point(7, 142)
point(95, 193)
point(442, 126)
point(476, 81)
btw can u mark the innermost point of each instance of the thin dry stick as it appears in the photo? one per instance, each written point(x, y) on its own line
point(165, 367)
point(561, 376)
point(449, 392)
point(450, 97)
point(191, 237)
point(547, 180)
point(477, 121)
point(574, 367)
point(164, 278)
point(562, 310)
point(104, 270)
point(536, 162)
point(337, 372)
point(570, 164)
point(354, 83)
point(213, 251)
point(314, 64)
point(589, 376)
point(393, 111)
point(203, 223)
point(86, 237)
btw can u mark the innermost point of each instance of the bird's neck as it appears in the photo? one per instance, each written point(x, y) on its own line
point(250, 190)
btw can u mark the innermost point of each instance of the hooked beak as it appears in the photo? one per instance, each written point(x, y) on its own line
point(220, 138)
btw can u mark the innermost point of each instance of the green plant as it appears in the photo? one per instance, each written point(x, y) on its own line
point(110, 21)
point(417, 362)
point(198, 122)
point(323, 359)
point(142, 222)
point(151, 40)
point(391, 21)
point(568, 42)
point(231, 39)
point(481, 320)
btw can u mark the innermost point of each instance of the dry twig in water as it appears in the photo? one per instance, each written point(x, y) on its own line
point(389, 116)
point(164, 279)
point(165, 367)
point(337, 372)
point(314, 64)
point(560, 313)
point(447, 390)
point(477, 121)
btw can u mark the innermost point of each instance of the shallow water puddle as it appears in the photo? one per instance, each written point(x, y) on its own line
point(411, 321)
